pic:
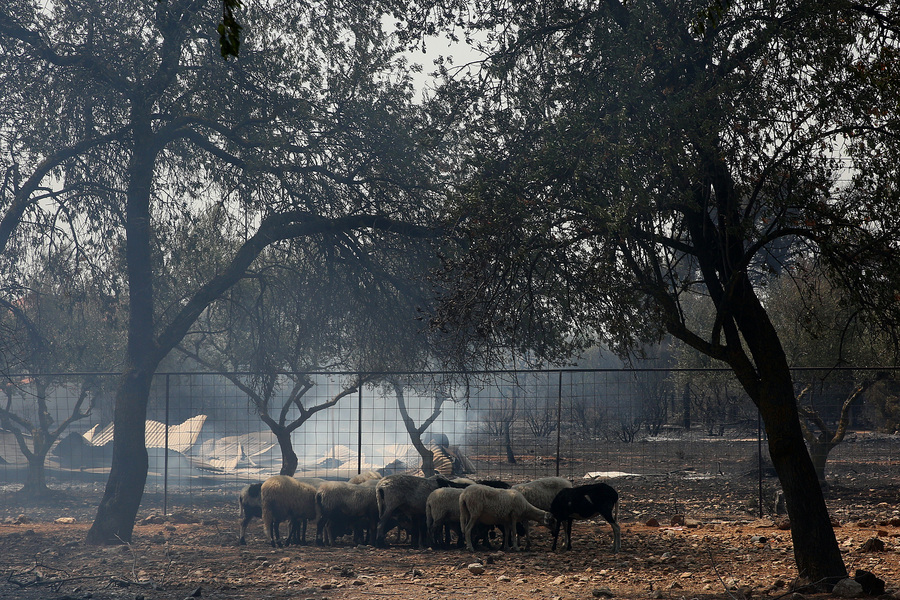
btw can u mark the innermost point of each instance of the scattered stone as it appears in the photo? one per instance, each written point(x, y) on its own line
point(476, 568)
point(847, 588)
point(759, 539)
point(602, 592)
point(358, 582)
point(873, 545)
point(652, 523)
point(784, 524)
point(871, 585)
point(153, 520)
point(762, 524)
point(674, 586)
point(865, 524)
point(677, 520)
point(196, 593)
point(691, 523)
point(65, 520)
point(504, 578)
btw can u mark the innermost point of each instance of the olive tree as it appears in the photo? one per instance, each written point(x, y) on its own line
point(621, 158)
point(308, 135)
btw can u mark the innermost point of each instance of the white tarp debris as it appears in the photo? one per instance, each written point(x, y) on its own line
point(608, 474)
point(181, 437)
point(239, 451)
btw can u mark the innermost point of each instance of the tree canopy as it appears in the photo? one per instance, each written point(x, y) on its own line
point(627, 160)
point(139, 128)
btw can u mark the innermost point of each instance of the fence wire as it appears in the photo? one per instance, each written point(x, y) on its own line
point(215, 432)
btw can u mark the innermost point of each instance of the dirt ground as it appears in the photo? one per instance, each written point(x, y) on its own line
point(722, 551)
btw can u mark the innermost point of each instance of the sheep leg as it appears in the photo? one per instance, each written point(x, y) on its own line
point(320, 531)
point(467, 522)
point(381, 533)
point(510, 536)
point(527, 529)
point(608, 514)
point(270, 527)
point(568, 534)
point(245, 522)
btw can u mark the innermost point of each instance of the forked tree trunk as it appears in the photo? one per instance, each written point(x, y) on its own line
point(818, 453)
point(289, 460)
point(36, 478)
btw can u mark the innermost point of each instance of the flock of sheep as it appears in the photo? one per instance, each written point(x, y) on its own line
point(369, 506)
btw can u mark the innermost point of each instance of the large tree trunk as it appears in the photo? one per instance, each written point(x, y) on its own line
point(114, 522)
point(116, 514)
point(816, 550)
point(768, 381)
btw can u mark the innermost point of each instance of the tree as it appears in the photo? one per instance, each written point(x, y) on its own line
point(823, 441)
point(310, 136)
point(417, 431)
point(62, 322)
point(498, 417)
point(624, 157)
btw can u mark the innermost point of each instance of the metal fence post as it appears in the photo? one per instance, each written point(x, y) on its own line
point(359, 428)
point(558, 421)
point(759, 460)
point(166, 455)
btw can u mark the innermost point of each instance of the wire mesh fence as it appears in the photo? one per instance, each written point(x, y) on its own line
point(219, 431)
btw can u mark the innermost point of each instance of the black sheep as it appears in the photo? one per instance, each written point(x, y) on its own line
point(585, 502)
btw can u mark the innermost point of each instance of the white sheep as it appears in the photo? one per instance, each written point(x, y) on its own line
point(316, 482)
point(340, 504)
point(442, 513)
point(285, 498)
point(541, 493)
point(492, 506)
point(365, 476)
point(403, 497)
point(251, 506)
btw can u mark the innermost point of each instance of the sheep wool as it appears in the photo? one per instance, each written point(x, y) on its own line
point(287, 499)
point(492, 506)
